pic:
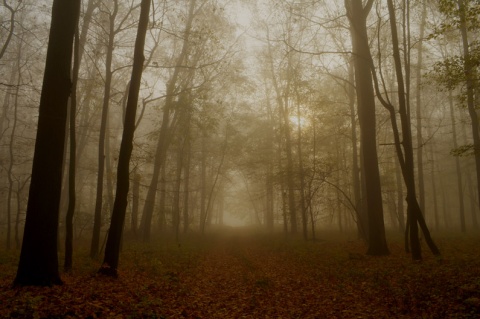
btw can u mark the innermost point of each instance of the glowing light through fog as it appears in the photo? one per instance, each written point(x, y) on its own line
point(233, 221)
point(296, 121)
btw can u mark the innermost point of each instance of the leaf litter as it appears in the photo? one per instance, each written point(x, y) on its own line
point(258, 276)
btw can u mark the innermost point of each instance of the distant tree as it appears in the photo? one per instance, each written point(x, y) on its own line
point(461, 70)
point(164, 138)
point(38, 263)
point(357, 15)
point(112, 249)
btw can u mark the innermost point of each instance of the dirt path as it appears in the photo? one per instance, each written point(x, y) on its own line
point(241, 279)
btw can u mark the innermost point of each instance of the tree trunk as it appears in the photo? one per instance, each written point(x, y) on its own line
point(11, 163)
point(112, 248)
point(164, 140)
point(97, 222)
point(282, 99)
point(301, 174)
point(135, 199)
point(470, 75)
point(203, 183)
point(457, 166)
point(400, 196)
point(418, 99)
point(355, 167)
point(38, 263)
point(414, 211)
point(186, 184)
point(357, 14)
point(72, 154)
point(269, 204)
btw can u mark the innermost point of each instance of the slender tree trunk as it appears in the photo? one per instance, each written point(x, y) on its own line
point(97, 221)
point(414, 211)
point(11, 143)
point(72, 154)
point(434, 182)
point(457, 166)
point(400, 196)
point(269, 198)
point(203, 183)
point(301, 173)
point(38, 263)
point(355, 167)
point(135, 200)
point(112, 248)
point(164, 140)
point(282, 101)
point(418, 99)
point(470, 74)
point(290, 169)
point(186, 184)
point(176, 189)
point(108, 164)
point(470, 184)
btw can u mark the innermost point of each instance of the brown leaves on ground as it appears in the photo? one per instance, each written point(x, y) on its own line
point(257, 276)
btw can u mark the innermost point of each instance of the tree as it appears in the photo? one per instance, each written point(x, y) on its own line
point(357, 15)
point(164, 138)
point(112, 249)
point(461, 71)
point(404, 149)
point(38, 263)
point(79, 44)
point(103, 138)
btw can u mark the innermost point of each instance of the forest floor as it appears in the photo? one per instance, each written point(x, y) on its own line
point(244, 275)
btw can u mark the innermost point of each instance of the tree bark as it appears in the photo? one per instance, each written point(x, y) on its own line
point(357, 14)
point(38, 263)
point(112, 248)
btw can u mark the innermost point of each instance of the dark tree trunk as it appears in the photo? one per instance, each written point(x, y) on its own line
point(72, 165)
point(414, 213)
point(38, 260)
point(112, 249)
point(357, 14)
point(135, 200)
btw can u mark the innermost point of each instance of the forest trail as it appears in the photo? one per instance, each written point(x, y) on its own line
point(245, 275)
point(240, 277)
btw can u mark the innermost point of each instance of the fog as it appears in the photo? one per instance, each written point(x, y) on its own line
point(248, 115)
